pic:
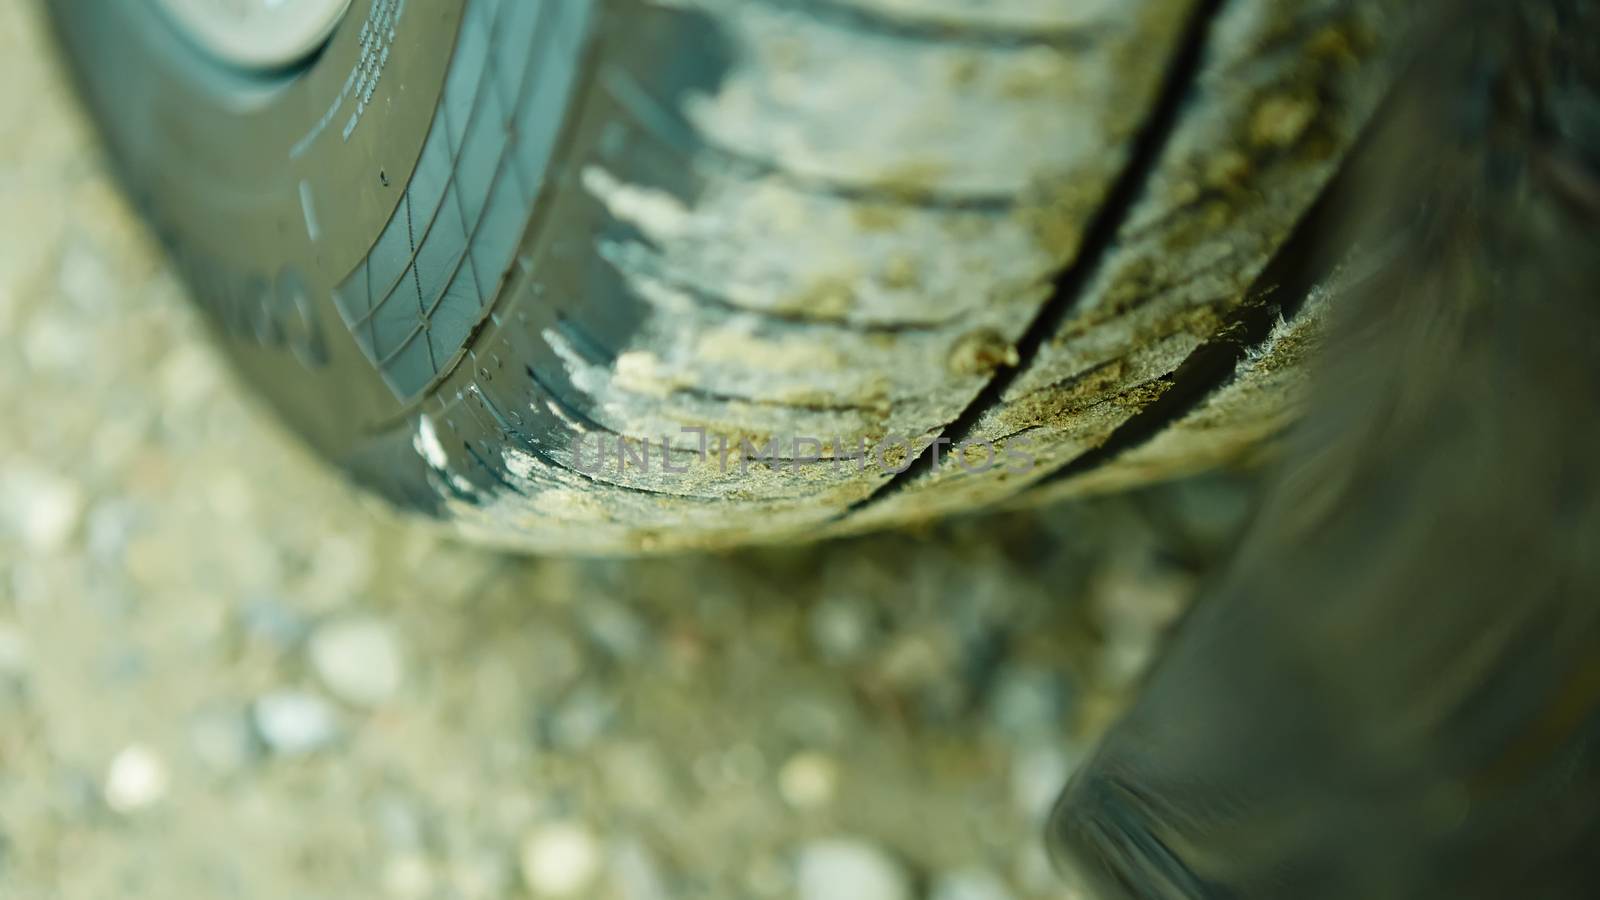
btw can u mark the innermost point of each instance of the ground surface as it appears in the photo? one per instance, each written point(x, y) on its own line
point(224, 675)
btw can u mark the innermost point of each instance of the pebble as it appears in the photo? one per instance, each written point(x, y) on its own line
point(808, 780)
point(187, 376)
point(85, 278)
point(359, 660)
point(136, 780)
point(842, 630)
point(850, 869)
point(1027, 702)
point(560, 859)
point(970, 884)
point(43, 508)
point(295, 723)
point(52, 344)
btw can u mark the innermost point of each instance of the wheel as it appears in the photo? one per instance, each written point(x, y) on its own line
point(616, 275)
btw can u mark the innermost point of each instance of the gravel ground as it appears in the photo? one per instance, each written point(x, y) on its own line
point(223, 674)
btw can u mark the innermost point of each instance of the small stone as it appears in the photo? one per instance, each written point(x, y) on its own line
point(188, 376)
point(1028, 701)
point(295, 723)
point(970, 884)
point(136, 780)
point(52, 344)
point(808, 780)
point(848, 869)
point(85, 279)
point(43, 508)
point(560, 859)
point(841, 629)
point(359, 660)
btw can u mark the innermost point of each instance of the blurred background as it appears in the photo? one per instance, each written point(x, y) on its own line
point(223, 674)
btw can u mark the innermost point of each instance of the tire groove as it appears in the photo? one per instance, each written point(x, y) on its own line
point(1278, 294)
point(1100, 240)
